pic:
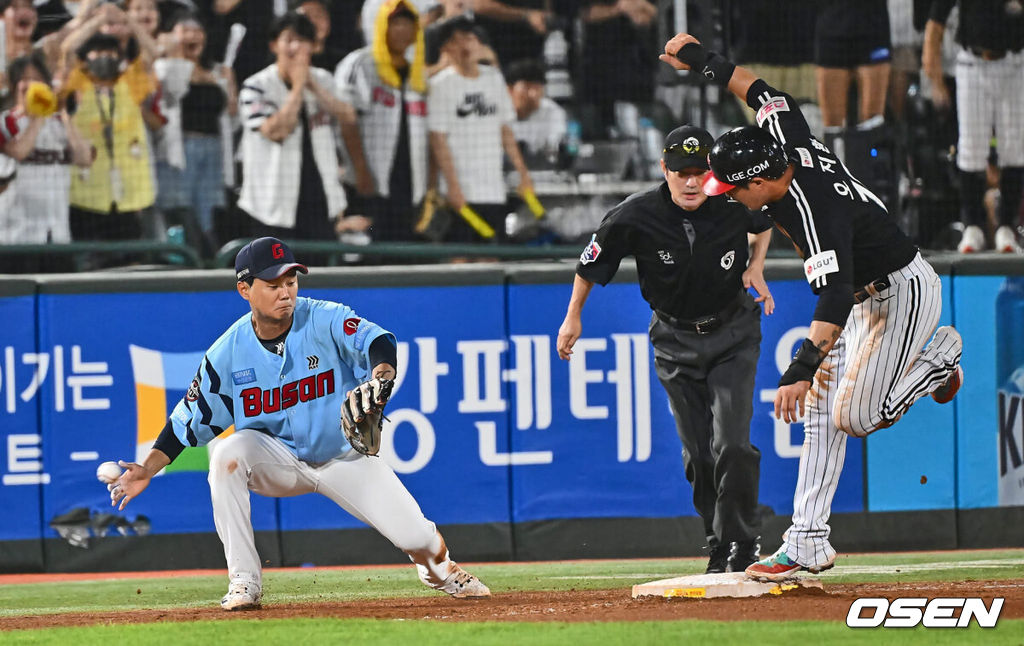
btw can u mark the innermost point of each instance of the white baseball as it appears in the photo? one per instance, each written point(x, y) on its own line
point(108, 472)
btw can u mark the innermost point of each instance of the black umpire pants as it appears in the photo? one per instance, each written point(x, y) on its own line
point(709, 379)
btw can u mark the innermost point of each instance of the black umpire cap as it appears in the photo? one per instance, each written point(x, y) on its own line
point(687, 147)
point(266, 259)
point(741, 155)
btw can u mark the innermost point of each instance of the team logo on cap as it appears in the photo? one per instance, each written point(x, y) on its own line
point(691, 145)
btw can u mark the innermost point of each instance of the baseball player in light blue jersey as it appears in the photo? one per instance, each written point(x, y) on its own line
point(280, 375)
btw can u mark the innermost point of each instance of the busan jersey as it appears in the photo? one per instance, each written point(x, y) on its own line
point(690, 263)
point(294, 396)
point(841, 229)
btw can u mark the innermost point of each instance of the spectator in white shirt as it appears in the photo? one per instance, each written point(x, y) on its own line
point(385, 133)
point(540, 125)
point(470, 116)
point(290, 184)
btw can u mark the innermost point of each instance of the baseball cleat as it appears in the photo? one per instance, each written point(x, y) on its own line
point(242, 594)
point(947, 390)
point(972, 241)
point(779, 567)
point(744, 554)
point(463, 585)
point(718, 562)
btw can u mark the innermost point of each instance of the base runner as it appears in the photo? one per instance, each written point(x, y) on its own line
point(280, 375)
point(867, 357)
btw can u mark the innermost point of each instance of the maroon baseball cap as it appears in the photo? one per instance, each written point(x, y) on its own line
point(266, 259)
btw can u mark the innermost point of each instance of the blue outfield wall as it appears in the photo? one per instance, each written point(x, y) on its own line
point(488, 425)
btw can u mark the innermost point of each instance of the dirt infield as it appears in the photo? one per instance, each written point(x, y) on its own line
point(578, 605)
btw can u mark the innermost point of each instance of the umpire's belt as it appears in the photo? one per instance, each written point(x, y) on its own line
point(869, 290)
point(705, 324)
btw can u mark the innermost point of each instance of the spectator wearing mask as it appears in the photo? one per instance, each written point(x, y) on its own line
point(541, 124)
point(470, 119)
point(385, 132)
point(108, 198)
point(197, 94)
point(290, 185)
point(44, 146)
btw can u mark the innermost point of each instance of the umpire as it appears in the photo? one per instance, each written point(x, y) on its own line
point(691, 255)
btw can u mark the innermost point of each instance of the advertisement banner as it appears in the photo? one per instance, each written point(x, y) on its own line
point(120, 362)
point(22, 370)
point(594, 435)
point(447, 437)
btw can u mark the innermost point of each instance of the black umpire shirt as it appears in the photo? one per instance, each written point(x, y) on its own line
point(987, 24)
point(690, 263)
point(841, 229)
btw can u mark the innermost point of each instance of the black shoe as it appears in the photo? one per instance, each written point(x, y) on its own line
point(719, 560)
point(744, 553)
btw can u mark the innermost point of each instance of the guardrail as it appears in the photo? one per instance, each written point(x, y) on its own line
point(166, 254)
point(333, 253)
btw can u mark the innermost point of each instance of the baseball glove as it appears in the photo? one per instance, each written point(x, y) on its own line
point(362, 414)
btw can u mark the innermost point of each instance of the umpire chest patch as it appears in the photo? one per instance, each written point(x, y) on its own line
point(246, 376)
point(821, 264)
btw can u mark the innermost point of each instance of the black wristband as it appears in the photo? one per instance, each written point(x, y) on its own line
point(718, 69)
point(805, 363)
point(714, 67)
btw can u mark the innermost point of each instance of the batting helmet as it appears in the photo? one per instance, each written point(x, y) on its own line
point(741, 155)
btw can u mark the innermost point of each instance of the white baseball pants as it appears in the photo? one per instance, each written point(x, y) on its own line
point(365, 487)
point(988, 95)
point(872, 375)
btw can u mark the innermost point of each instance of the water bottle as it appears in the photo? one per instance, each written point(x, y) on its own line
point(176, 235)
point(651, 142)
point(573, 136)
point(1010, 381)
point(556, 59)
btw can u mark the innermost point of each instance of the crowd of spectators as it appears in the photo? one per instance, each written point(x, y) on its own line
point(369, 120)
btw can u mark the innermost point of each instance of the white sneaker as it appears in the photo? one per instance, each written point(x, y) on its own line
point(243, 594)
point(463, 585)
point(973, 240)
point(1006, 241)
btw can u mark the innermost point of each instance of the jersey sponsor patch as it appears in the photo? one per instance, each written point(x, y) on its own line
point(774, 105)
point(821, 264)
point(805, 157)
point(246, 376)
point(351, 325)
point(360, 338)
point(192, 393)
point(591, 252)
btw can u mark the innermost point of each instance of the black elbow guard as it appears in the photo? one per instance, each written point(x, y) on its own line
point(834, 305)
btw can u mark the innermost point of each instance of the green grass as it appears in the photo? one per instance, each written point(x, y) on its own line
point(347, 585)
point(425, 633)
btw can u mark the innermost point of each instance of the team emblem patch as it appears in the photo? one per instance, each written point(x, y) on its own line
point(591, 252)
point(728, 259)
point(351, 325)
point(246, 376)
point(691, 145)
point(666, 257)
point(193, 390)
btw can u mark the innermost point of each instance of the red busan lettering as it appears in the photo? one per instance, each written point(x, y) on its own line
point(256, 401)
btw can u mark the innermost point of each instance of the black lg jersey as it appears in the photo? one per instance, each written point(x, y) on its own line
point(690, 263)
point(841, 229)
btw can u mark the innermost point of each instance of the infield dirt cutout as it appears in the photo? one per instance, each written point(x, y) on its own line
point(830, 604)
